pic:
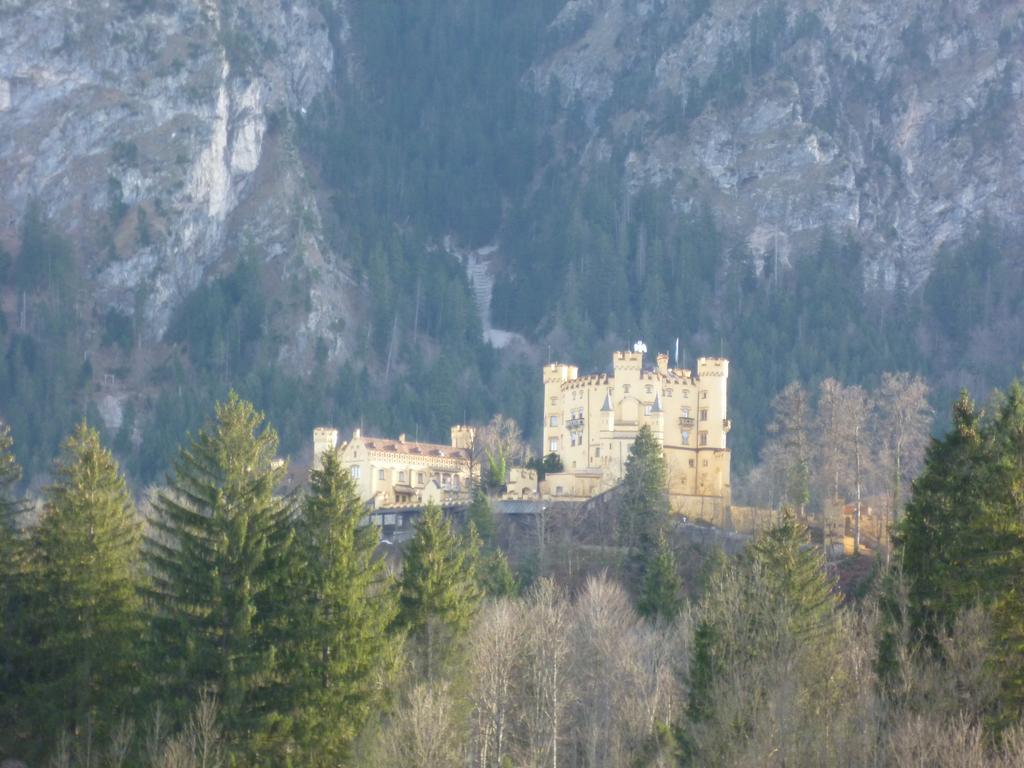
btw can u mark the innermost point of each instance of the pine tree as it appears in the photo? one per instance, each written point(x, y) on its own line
point(497, 578)
point(790, 426)
point(494, 574)
point(347, 603)
point(12, 588)
point(937, 539)
point(775, 598)
point(220, 556)
point(481, 515)
point(961, 541)
point(644, 508)
point(439, 591)
point(1002, 538)
point(795, 577)
point(84, 616)
point(661, 593)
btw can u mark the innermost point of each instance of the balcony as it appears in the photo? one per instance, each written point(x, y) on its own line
point(726, 425)
point(687, 422)
point(573, 424)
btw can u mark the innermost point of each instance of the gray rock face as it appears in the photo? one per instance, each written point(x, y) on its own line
point(901, 122)
point(156, 135)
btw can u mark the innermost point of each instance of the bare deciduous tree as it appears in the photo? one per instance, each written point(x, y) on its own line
point(424, 731)
point(841, 421)
point(548, 691)
point(904, 419)
point(791, 442)
point(496, 648)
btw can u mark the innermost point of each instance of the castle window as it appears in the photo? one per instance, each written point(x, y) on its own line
point(401, 476)
point(355, 472)
point(703, 438)
point(553, 420)
point(648, 389)
point(705, 462)
point(554, 401)
point(380, 474)
point(686, 394)
point(648, 409)
point(704, 395)
point(686, 412)
point(703, 414)
point(625, 389)
point(553, 445)
point(693, 463)
point(597, 452)
point(419, 478)
point(686, 437)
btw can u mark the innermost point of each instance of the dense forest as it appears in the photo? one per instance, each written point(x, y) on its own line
point(275, 632)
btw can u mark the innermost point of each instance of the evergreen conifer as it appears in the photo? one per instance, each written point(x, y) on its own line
point(961, 541)
point(439, 591)
point(481, 515)
point(12, 586)
point(347, 602)
point(644, 508)
point(937, 537)
point(776, 597)
point(220, 554)
point(84, 617)
point(661, 593)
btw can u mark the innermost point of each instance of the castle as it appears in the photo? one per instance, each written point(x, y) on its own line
point(390, 472)
point(591, 422)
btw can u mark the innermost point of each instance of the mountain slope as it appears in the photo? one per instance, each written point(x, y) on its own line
point(327, 204)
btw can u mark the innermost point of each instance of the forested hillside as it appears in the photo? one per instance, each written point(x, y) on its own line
point(333, 207)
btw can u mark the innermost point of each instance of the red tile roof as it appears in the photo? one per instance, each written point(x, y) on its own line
point(388, 445)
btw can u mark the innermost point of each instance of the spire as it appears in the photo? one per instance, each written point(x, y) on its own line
point(607, 407)
point(657, 404)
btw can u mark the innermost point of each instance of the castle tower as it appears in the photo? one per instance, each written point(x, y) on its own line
point(713, 421)
point(555, 375)
point(627, 365)
point(324, 439)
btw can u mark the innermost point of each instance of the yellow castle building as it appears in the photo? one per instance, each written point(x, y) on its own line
point(591, 422)
point(390, 472)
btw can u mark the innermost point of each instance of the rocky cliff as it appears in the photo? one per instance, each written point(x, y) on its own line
point(901, 122)
point(157, 136)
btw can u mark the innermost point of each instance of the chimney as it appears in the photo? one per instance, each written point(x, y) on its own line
point(357, 433)
point(663, 364)
point(401, 438)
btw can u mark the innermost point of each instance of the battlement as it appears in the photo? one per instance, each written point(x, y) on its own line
point(712, 367)
point(627, 361)
point(557, 373)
